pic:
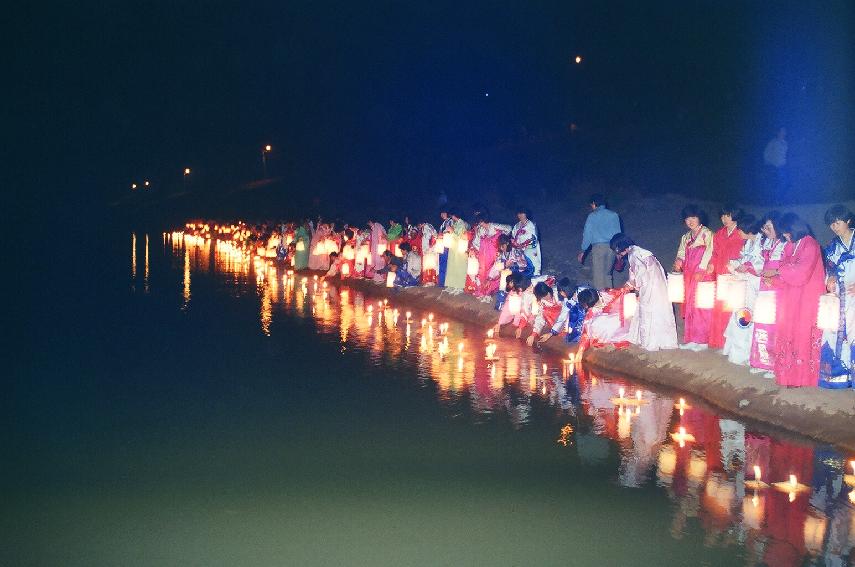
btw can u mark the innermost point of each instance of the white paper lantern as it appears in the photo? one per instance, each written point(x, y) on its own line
point(332, 246)
point(462, 245)
point(765, 307)
point(630, 305)
point(828, 315)
point(381, 248)
point(723, 282)
point(301, 246)
point(676, 290)
point(503, 277)
point(472, 266)
point(438, 247)
point(447, 240)
point(397, 251)
point(390, 279)
point(736, 292)
point(429, 261)
point(514, 304)
point(349, 253)
point(705, 295)
point(345, 270)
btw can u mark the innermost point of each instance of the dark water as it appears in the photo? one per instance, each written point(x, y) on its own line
point(199, 415)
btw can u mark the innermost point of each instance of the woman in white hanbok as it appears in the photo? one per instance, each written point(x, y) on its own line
point(747, 268)
point(524, 235)
point(653, 327)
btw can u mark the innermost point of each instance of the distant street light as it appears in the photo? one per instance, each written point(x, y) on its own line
point(133, 186)
point(146, 183)
point(578, 59)
point(186, 171)
point(264, 153)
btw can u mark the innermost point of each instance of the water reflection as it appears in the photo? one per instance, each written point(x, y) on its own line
point(713, 469)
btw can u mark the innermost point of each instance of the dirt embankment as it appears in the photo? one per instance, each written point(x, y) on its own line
point(825, 415)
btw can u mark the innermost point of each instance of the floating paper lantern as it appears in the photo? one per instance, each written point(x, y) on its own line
point(345, 270)
point(447, 240)
point(736, 292)
point(429, 261)
point(828, 315)
point(472, 266)
point(630, 305)
point(514, 304)
point(390, 279)
point(705, 295)
point(301, 246)
point(722, 286)
point(765, 308)
point(676, 289)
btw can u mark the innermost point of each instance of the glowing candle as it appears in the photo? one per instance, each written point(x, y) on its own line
point(430, 317)
point(621, 392)
point(460, 347)
point(757, 475)
point(490, 336)
point(345, 270)
point(638, 395)
point(424, 322)
point(544, 368)
point(390, 279)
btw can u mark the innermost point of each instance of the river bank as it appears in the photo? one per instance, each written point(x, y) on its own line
point(824, 415)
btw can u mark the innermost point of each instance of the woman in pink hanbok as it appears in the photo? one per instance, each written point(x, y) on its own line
point(798, 281)
point(653, 326)
point(486, 242)
point(762, 357)
point(693, 259)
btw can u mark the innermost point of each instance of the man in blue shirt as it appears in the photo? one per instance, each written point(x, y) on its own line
point(600, 226)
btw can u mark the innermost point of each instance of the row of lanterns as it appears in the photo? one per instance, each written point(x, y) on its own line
point(732, 291)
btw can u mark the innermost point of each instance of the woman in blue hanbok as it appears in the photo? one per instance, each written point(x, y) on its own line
point(838, 347)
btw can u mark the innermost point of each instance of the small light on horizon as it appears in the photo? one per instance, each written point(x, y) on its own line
point(133, 185)
point(486, 94)
point(186, 171)
point(578, 59)
point(268, 147)
point(146, 183)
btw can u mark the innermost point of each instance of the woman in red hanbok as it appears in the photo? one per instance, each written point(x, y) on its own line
point(798, 282)
point(727, 246)
point(693, 259)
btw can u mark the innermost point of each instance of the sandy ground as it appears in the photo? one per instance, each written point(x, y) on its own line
point(825, 415)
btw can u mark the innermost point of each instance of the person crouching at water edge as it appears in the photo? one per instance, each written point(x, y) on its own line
point(693, 259)
point(653, 326)
point(549, 308)
point(838, 348)
point(604, 322)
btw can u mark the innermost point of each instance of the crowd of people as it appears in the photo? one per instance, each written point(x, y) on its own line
point(762, 292)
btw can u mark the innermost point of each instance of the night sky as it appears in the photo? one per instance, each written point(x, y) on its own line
point(405, 98)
